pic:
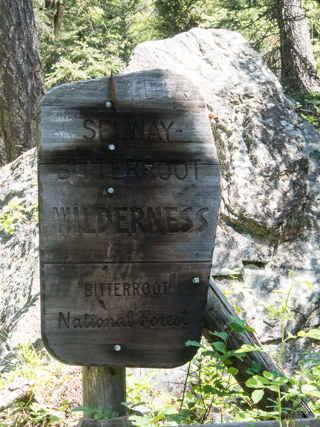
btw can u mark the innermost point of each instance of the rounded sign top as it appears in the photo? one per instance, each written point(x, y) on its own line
point(129, 200)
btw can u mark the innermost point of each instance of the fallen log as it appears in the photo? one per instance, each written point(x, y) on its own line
point(217, 316)
point(18, 391)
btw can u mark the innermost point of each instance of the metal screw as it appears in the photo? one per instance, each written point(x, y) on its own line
point(108, 104)
point(196, 280)
point(111, 147)
point(117, 347)
point(110, 190)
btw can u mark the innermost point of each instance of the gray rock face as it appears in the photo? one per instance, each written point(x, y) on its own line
point(19, 253)
point(255, 127)
point(269, 156)
point(270, 213)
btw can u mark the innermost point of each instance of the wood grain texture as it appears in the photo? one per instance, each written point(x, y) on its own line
point(129, 203)
point(105, 387)
point(150, 310)
point(149, 89)
point(148, 219)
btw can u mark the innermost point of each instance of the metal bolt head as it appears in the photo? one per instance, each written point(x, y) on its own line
point(108, 104)
point(111, 147)
point(110, 190)
point(117, 347)
point(196, 280)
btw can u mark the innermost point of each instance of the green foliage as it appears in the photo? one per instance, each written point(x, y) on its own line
point(210, 382)
point(274, 380)
point(16, 214)
point(210, 388)
point(308, 104)
point(99, 413)
point(176, 16)
point(84, 39)
point(48, 401)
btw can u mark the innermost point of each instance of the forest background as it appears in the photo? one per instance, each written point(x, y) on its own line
point(83, 39)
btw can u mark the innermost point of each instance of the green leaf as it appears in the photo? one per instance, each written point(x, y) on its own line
point(280, 380)
point(222, 335)
point(310, 285)
point(194, 343)
point(107, 411)
point(233, 371)
point(268, 375)
point(53, 419)
point(246, 348)
point(220, 346)
point(210, 353)
point(256, 382)
point(256, 366)
point(273, 387)
point(312, 333)
point(238, 325)
point(207, 389)
point(140, 420)
point(257, 395)
point(98, 415)
point(85, 409)
point(97, 408)
point(290, 336)
point(308, 388)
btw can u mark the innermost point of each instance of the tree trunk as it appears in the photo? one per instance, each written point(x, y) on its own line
point(217, 315)
point(21, 79)
point(298, 67)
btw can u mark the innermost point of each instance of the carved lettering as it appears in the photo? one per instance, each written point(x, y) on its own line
point(203, 221)
point(145, 319)
point(129, 170)
point(136, 216)
point(128, 220)
point(87, 222)
point(119, 289)
point(170, 219)
point(104, 219)
point(154, 132)
point(167, 129)
point(64, 320)
point(91, 321)
point(63, 222)
point(86, 124)
point(185, 215)
point(136, 130)
point(133, 130)
point(121, 218)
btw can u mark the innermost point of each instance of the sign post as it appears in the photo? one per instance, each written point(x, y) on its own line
point(129, 197)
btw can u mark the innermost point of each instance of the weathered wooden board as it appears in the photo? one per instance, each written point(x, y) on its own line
point(144, 220)
point(148, 309)
point(129, 200)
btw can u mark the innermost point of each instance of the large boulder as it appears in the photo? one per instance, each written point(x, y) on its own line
point(19, 254)
point(270, 218)
point(269, 156)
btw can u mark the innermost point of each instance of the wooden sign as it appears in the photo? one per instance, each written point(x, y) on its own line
point(129, 201)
